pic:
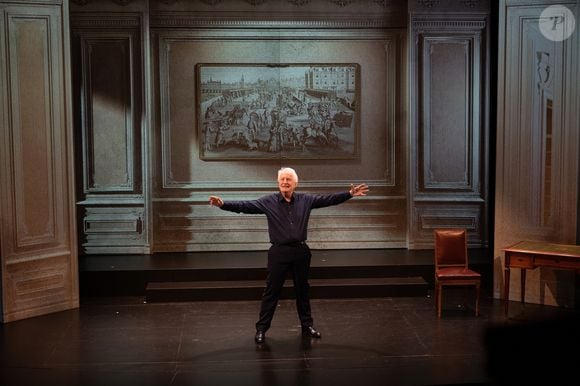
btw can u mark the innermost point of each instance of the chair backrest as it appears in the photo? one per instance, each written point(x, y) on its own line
point(450, 247)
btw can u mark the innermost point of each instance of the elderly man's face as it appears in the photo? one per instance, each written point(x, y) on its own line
point(287, 183)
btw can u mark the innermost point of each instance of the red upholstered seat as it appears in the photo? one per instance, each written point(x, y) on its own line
point(457, 272)
point(451, 264)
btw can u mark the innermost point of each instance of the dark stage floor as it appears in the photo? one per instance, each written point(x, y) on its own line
point(373, 341)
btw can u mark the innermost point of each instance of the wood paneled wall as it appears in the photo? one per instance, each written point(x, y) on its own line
point(183, 220)
point(37, 233)
point(109, 56)
point(425, 172)
point(537, 145)
point(449, 127)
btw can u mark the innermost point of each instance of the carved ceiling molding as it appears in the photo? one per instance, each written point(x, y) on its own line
point(80, 21)
point(470, 25)
point(189, 21)
point(318, 6)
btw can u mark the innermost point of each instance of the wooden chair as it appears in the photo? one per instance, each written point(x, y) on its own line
point(451, 264)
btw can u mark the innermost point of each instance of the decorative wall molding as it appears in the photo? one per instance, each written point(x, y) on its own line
point(392, 48)
point(471, 3)
point(544, 70)
point(316, 14)
point(108, 60)
point(537, 150)
point(182, 226)
point(104, 21)
point(181, 216)
point(384, 3)
point(392, 63)
point(38, 271)
point(448, 167)
point(421, 24)
point(167, 20)
point(255, 3)
point(118, 2)
point(427, 3)
point(448, 144)
point(342, 3)
point(119, 226)
point(107, 120)
point(272, 5)
point(429, 216)
point(123, 2)
point(299, 3)
point(456, 7)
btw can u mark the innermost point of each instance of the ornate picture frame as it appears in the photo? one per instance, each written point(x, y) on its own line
point(289, 111)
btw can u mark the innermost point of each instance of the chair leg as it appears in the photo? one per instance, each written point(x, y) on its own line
point(438, 289)
point(477, 290)
point(436, 295)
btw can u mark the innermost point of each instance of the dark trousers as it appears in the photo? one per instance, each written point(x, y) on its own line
point(281, 260)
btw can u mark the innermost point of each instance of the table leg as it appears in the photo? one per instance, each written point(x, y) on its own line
point(523, 284)
point(506, 288)
point(577, 289)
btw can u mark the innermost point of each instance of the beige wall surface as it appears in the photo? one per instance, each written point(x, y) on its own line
point(183, 180)
point(537, 146)
point(422, 146)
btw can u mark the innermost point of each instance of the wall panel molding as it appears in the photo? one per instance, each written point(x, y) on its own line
point(448, 215)
point(446, 135)
point(173, 140)
point(186, 226)
point(108, 114)
point(184, 181)
point(38, 249)
point(449, 141)
point(99, 21)
point(112, 146)
point(538, 148)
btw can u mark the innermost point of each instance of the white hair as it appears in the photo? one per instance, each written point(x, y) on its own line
point(288, 170)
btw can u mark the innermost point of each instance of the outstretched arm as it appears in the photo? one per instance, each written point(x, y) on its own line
point(324, 200)
point(358, 190)
point(249, 206)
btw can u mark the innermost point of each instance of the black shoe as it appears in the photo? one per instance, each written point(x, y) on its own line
point(260, 337)
point(311, 332)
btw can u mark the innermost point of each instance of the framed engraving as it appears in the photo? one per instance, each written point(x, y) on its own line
point(291, 111)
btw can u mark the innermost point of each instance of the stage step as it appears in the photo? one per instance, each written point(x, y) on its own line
point(174, 291)
point(241, 274)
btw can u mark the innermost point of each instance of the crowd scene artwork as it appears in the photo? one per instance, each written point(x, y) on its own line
point(278, 111)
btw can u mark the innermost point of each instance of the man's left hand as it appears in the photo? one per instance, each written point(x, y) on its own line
point(358, 190)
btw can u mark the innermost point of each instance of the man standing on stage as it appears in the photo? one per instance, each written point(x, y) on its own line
point(288, 214)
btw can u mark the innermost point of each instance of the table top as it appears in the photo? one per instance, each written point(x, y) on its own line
point(543, 248)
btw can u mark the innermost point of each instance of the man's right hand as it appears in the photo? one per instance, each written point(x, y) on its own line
point(215, 201)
